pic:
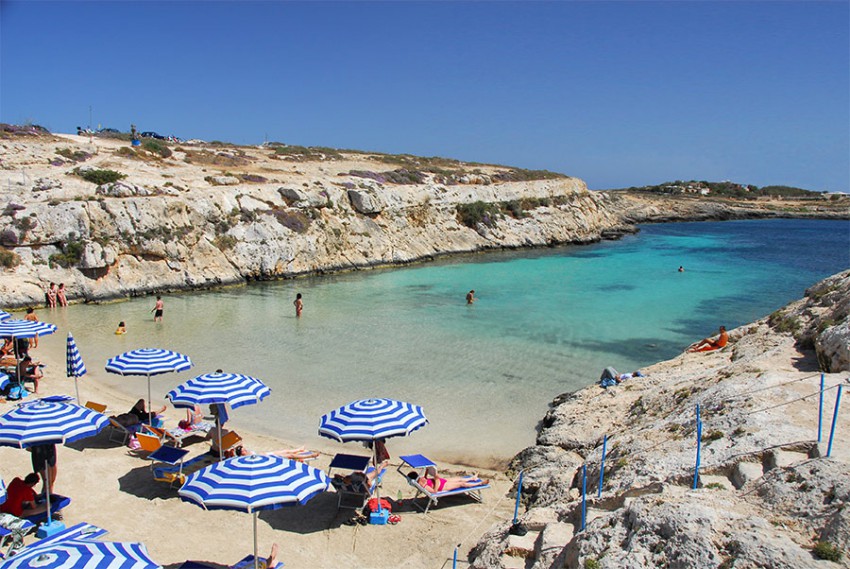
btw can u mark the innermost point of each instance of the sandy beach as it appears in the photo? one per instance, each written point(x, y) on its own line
point(114, 489)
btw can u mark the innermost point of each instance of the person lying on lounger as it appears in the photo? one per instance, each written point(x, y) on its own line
point(708, 344)
point(358, 481)
point(432, 483)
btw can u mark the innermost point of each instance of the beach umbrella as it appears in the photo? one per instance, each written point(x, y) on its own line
point(74, 362)
point(4, 381)
point(48, 422)
point(4, 315)
point(13, 328)
point(219, 388)
point(2, 492)
point(82, 554)
point(368, 420)
point(148, 362)
point(253, 483)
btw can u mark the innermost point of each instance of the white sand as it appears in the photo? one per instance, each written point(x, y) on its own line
point(113, 489)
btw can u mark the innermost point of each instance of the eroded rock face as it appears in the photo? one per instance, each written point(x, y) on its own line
point(365, 202)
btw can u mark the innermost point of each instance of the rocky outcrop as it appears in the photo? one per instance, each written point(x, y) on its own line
point(172, 223)
point(766, 493)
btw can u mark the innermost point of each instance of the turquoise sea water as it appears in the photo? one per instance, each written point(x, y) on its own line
point(546, 322)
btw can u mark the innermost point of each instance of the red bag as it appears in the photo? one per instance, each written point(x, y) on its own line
point(372, 504)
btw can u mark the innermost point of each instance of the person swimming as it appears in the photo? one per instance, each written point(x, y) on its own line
point(122, 329)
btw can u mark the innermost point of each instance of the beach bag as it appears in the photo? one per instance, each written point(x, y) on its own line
point(372, 505)
point(16, 392)
point(133, 443)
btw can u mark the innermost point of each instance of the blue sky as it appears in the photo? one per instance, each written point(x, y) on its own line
point(616, 93)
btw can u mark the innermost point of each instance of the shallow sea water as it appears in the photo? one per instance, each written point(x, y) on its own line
point(546, 322)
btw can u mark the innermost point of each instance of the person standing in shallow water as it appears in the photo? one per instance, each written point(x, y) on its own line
point(51, 296)
point(60, 295)
point(299, 305)
point(470, 296)
point(157, 309)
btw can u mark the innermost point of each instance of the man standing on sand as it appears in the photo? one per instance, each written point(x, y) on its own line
point(299, 305)
point(157, 309)
point(470, 296)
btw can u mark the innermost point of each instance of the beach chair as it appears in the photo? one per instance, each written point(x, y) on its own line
point(419, 462)
point(116, 427)
point(95, 406)
point(148, 444)
point(354, 495)
point(178, 435)
point(229, 442)
point(174, 470)
point(12, 531)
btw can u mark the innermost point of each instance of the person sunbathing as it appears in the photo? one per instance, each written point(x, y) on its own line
point(358, 481)
point(28, 370)
point(708, 344)
point(194, 417)
point(300, 453)
point(432, 483)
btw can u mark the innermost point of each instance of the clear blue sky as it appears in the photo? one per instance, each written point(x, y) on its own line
point(616, 93)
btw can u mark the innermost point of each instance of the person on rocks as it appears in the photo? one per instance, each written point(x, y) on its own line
point(709, 344)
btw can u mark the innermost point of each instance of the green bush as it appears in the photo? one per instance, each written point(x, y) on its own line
point(8, 259)
point(72, 252)
point(825, 550)
point(591, 563)
point(225, 242)
point(157, 147)
point(471, 214)
point(100, 177)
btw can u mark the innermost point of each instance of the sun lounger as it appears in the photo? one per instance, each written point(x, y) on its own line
point(177, 435)
point(125, 432)
point(175, 470)
point(13, 530)
point(148, 444)
point(57, 503)
point(355, 495)
point(95, 406)
point(420, 462)
point(79, 531)
point(246, 563)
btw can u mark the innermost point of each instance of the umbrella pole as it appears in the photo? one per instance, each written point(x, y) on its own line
point(47, 491)
point(150, 412)
point(218, 430)
point(77, 389)
point(256, 559)
point(378, 487)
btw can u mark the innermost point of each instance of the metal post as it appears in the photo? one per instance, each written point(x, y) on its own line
point(602, 466)
point(820, 408)
point(834, 420)
point(518, 494)
point(454, 559)
point(699, 444)
point(256, 559)
point(583, 496)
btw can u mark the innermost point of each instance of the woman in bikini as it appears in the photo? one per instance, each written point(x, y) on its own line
point(51, 296)
point(60, 295)
point(432, 483)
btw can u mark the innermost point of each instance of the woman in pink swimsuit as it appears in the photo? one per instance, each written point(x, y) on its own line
point(433, 483)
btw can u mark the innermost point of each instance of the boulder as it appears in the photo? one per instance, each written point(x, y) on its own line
point(365, 202)
point(833, 348)
point(43, 184)
point(224, 180)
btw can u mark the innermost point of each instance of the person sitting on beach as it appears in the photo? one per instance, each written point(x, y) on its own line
point(270, 562)
point(27, 370)
point(21, 497)
point(8, 348)
point(144, 417)
point(431, 483)
point(708, 344)
point(122, 329)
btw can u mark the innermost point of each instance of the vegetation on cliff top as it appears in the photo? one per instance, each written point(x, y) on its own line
point(724, 189)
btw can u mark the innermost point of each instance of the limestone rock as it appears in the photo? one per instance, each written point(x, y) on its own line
point(365, 202)
point(833, 348)
point(43, 184)
point(122, 190)
point(224, 180)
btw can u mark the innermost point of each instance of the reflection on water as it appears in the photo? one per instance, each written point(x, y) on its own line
point(545, 322)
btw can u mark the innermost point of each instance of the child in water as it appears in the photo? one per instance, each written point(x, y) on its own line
point(121, 328)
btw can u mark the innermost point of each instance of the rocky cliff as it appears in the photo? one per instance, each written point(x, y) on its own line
point(767, 496)
point(112, 220)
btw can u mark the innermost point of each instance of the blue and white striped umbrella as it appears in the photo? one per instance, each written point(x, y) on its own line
point(74, 363)
point(4, 381)
point(233, 389)
point(2, 492)
point(253, 483)
point(25, 328)
point(148, 362)
point(4, 315)
point(49, 422)
point(372, 419)
point(82, 554)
